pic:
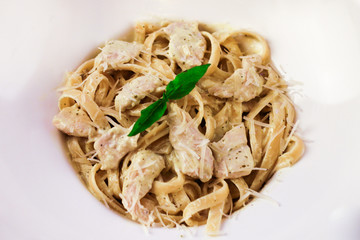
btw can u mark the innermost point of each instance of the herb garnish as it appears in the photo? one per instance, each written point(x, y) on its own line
point(181, 86)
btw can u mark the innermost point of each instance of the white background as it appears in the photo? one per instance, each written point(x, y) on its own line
point(316, 42)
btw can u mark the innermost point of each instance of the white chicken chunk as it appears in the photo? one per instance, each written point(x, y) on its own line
point(233, 157)
point(117, 52)
point(113, 145)
point(193, 156)
point(132, 93)
point(187, 45)
point(244, 84)
point(138, 179)
point(73, 121)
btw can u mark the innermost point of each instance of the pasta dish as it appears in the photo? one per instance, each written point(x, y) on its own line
point(209, 154)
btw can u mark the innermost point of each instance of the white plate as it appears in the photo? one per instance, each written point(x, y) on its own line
point(316, 42)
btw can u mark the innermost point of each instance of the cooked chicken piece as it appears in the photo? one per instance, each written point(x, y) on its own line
point(73, 121)
point(132, 93)
point(138, 179)
point(233, 158)
point(193, 156)
point(230, 115)
point(244, 84)
point(113, 145)
point(187, 45)
point(117, 52)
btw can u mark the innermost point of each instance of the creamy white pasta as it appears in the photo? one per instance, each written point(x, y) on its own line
point(209, 152)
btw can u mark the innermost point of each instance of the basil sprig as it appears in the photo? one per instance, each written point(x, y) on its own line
point(181, 86)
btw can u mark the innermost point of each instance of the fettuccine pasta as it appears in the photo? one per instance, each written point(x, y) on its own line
point(211, 150)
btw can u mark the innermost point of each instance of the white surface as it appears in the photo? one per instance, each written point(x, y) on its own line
point(316, 42)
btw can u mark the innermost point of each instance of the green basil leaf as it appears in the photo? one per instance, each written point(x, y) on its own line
point(182, 85)
point(185, 82)
point(149, 115)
